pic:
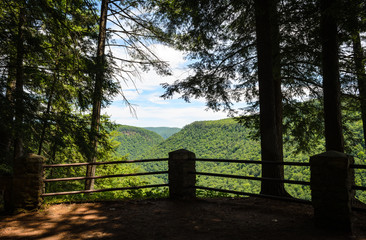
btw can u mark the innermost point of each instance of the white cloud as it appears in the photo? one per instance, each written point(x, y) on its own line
point(150, 80)
point(151, 110)
point(158, 116)
point(144, 91)
point(131, 95)
point(156, 99)
point(174, 57)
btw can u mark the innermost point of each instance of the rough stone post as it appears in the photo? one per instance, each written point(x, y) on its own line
point(331, 183)
point(181, 180)
point(6, 184)
point(27, 182)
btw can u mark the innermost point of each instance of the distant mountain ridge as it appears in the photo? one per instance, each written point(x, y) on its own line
point(210, 139)
point(135, 142)
point(207, 139)
point(165, 132)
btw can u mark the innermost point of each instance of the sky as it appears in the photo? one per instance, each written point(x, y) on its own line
point(152, 110)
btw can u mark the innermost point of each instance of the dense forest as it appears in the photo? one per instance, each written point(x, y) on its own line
point(222, 139)
point(135, 142)
point(226, 139)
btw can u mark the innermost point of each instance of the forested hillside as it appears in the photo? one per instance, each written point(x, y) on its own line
point(226, 139)
point(223, 139)
point(215, 139)
point(135, 142)
point(165, 132)
point(127, 143)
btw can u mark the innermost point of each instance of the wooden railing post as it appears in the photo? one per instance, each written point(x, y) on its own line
point(181, 180)
point(331, 190)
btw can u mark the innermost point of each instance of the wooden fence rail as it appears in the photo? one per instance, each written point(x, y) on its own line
point(304, 164)
point(103, 163)
point(251, 178)
point(106, 176)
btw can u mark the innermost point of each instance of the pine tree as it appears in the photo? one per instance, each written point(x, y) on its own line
point(98, 92)
point(44, 60)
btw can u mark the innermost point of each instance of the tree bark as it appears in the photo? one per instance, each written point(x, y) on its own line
point(46, 114)
point(331, 83)
point(19, 91)
point(359, 59)
point(6, 132)
point(98, 93)
point(270, 96)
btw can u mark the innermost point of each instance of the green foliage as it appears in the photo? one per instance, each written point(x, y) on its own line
point(52, 42)
point(47, 80)
point(5, 170)
point(135, 142)
point(220, 139)
point(103, 183)
point(224, 66)
point(226, 139)
point(48, 69)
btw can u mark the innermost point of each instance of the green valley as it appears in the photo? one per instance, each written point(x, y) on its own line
point(165, 132)
point(224, 139)
point(135, 142)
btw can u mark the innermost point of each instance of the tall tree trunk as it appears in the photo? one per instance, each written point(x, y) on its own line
point(46, 114)
point(19, 91)
point(6, 131)
point(270, 97)
point(331, 83)
point(359, 59)
point(276, 69)
point(98, 93)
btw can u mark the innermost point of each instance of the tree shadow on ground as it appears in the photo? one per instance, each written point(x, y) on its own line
point(246, 218)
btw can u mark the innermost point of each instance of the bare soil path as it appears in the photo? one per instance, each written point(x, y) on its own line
point(212, 219)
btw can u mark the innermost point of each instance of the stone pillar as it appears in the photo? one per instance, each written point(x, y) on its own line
point(27, 182)
point(181, 182)
point(6, 184)
point(331, 183)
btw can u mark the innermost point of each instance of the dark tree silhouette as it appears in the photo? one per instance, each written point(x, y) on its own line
point(270, 97)
point(330, 67)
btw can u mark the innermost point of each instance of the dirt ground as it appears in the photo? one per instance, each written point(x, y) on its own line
point(232, 219)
